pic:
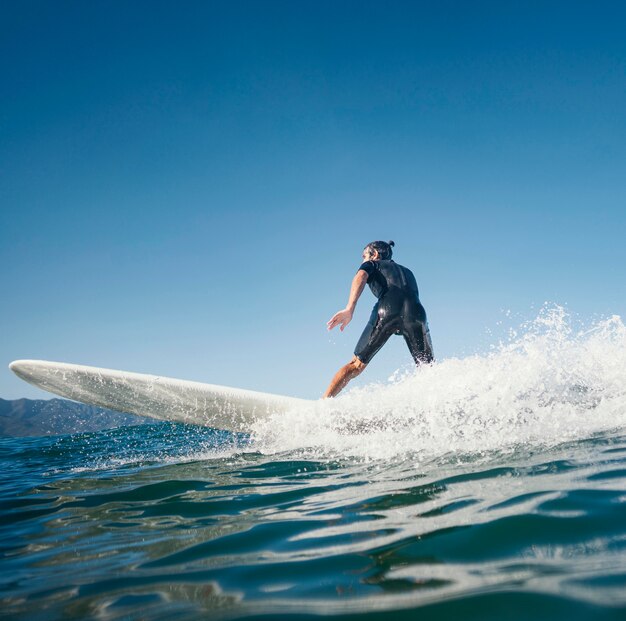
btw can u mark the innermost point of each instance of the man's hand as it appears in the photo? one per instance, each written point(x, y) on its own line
point(344, 317)
point(341, 319)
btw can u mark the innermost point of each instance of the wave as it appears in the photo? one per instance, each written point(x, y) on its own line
point(549, 382)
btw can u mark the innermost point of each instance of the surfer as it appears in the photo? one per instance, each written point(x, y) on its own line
point(398, 311)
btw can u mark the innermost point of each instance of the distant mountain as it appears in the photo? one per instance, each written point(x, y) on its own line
point(39, 417)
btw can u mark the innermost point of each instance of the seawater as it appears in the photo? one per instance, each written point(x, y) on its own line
point(488, 487)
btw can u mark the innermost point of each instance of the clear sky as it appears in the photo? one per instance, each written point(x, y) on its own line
point(186, 188)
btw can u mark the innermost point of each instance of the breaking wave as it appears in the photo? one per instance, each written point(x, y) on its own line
point(549, 382)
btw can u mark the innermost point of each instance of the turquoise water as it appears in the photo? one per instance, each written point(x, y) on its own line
point(168, 528)
point(491, 487)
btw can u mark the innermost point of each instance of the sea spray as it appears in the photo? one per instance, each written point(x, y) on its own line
point(548, 383)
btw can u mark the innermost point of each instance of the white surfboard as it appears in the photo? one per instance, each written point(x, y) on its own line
point(163, 398)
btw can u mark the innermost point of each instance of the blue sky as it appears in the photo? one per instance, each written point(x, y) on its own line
point(185, 189)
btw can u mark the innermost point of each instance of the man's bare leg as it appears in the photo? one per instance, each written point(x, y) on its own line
point(343, 376)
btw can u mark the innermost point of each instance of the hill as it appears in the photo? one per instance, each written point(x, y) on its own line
point(39, 417)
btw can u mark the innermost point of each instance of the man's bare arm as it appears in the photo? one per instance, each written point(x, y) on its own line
point(343, 317)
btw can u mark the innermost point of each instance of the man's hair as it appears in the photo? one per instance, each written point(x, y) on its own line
point(383, 248)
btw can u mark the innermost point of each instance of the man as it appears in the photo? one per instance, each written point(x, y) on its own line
point(398, 311)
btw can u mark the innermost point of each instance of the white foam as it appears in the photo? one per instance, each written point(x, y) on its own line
point(547, 384)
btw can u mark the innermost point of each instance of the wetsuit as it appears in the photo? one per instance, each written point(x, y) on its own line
point(398, 311)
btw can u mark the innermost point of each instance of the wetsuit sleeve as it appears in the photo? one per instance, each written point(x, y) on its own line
point(368, 267)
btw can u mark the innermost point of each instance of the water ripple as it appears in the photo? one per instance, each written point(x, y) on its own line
point(162, 534)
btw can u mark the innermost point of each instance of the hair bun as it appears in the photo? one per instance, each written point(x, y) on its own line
point(391, 243)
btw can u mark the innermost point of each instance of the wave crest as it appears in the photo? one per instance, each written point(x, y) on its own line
point(547, 383)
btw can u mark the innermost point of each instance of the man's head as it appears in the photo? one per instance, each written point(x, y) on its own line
point(378, 251)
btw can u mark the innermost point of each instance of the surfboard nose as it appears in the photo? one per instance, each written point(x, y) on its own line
point(24, 369)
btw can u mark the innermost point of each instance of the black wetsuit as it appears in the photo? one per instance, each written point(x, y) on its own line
point(398, 311)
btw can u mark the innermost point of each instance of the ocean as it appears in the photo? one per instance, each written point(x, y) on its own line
point(487, 487)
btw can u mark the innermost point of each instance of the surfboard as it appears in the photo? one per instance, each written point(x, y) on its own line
point(163, 398)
